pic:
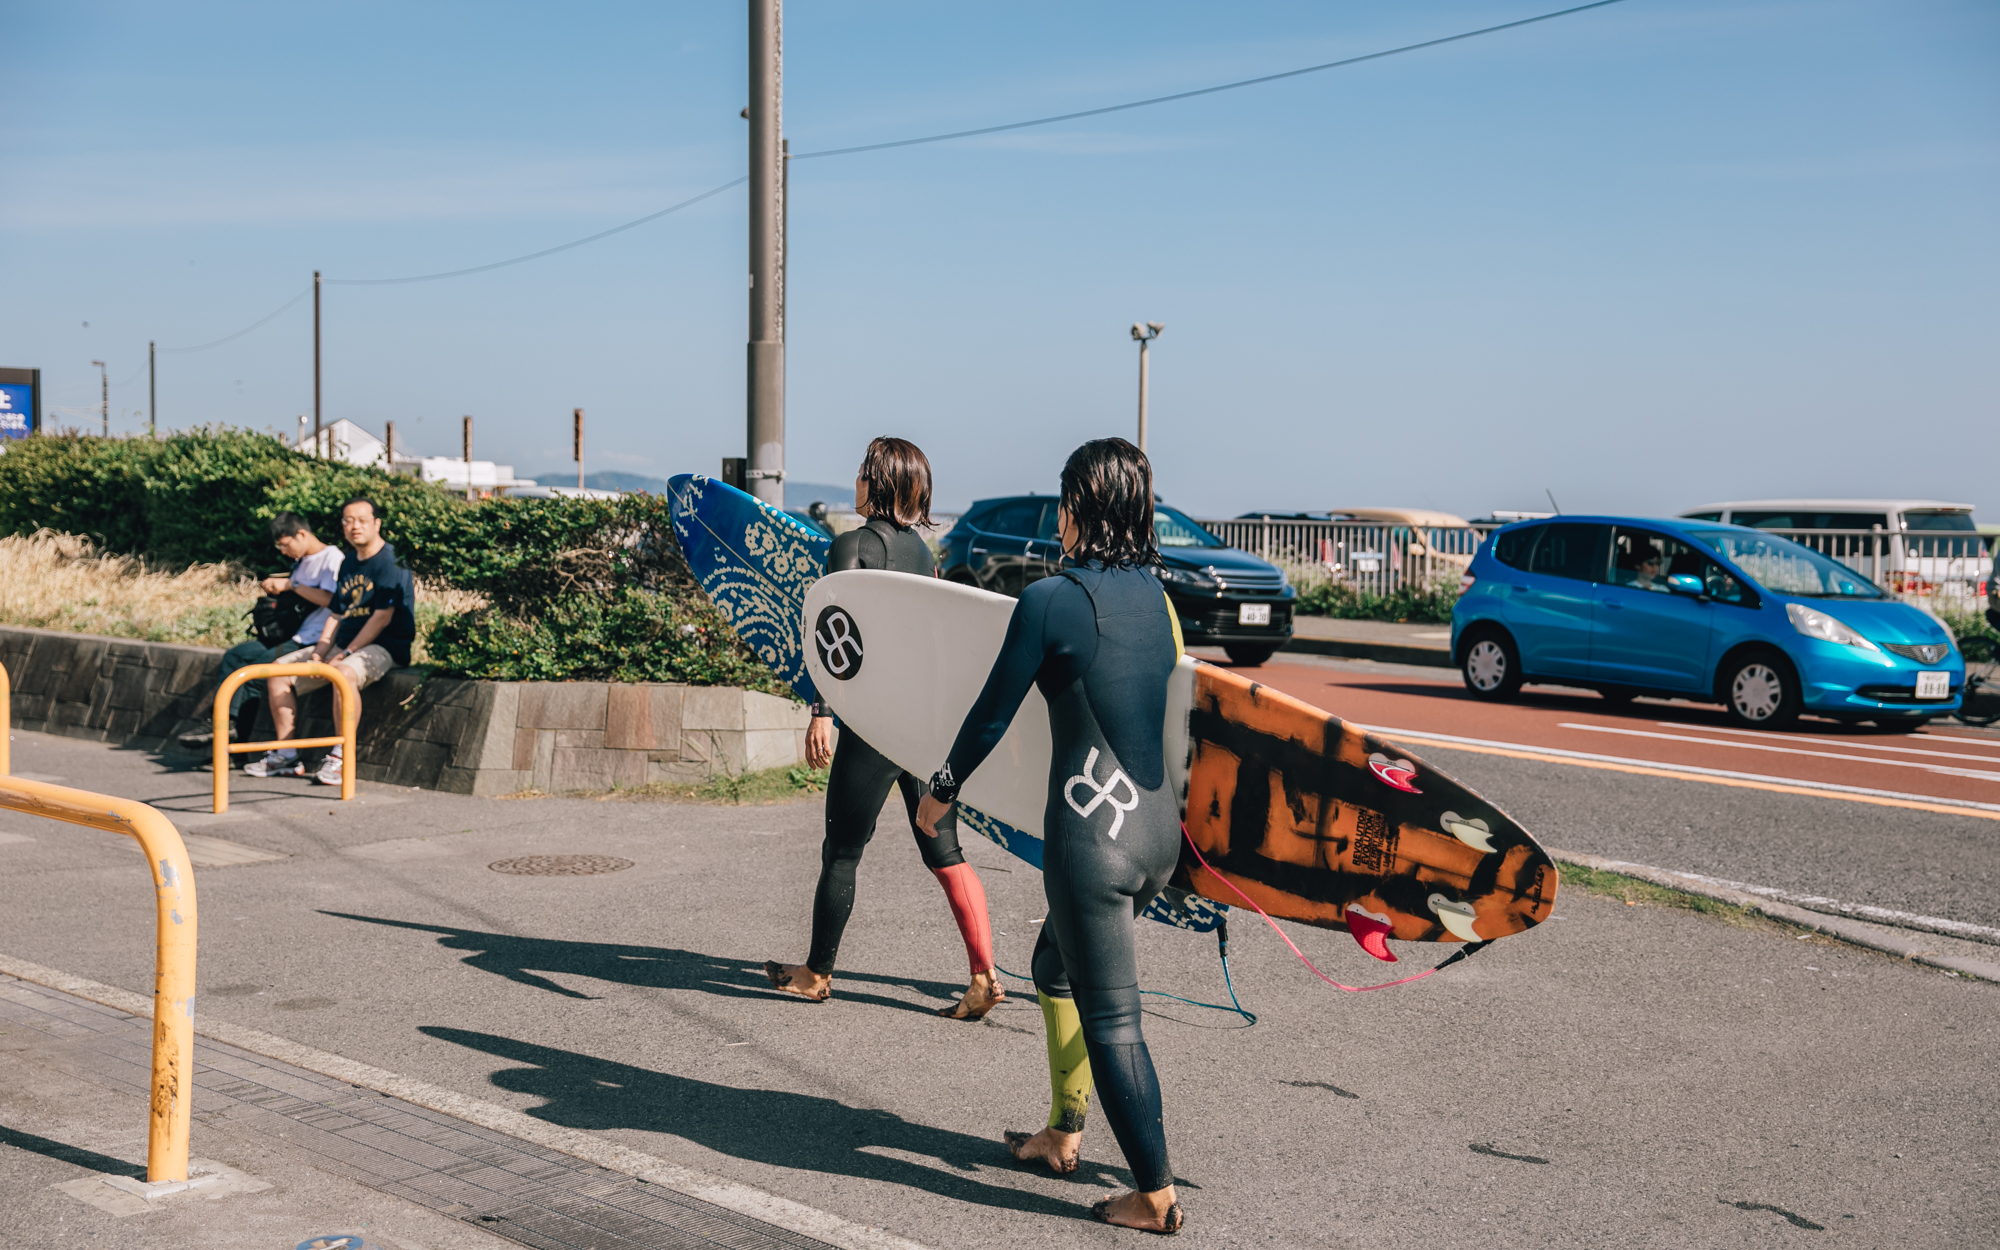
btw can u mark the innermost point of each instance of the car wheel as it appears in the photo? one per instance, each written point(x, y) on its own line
point(1761, 691)
point(1249, 656)
point(1492, 666)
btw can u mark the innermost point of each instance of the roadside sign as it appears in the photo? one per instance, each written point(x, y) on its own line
point(20, 402)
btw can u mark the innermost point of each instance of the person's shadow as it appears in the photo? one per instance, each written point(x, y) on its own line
point(657, 967)
point(796, 1131)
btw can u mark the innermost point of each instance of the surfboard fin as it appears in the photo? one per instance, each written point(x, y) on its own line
point(1371, 931)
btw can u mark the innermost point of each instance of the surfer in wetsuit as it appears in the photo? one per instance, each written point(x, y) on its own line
point(1100, 641)
point(893, 491)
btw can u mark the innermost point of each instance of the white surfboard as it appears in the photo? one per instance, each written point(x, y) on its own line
point(902, 658)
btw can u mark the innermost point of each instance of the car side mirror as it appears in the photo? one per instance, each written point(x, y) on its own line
point(1685, 584)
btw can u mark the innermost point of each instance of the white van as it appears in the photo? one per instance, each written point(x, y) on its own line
point(1915, 547)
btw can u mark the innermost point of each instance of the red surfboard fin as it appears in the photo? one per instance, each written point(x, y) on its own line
point(1371, 930)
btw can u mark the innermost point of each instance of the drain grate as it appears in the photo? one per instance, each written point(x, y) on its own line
point(560, 865)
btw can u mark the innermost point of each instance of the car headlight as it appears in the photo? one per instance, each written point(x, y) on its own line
point(1193, 579)
point(1815, 624)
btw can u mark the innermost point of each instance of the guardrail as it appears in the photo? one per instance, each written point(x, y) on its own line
point(347, 708)
point(6, 722)
point(173, 960)
point(1376, 557)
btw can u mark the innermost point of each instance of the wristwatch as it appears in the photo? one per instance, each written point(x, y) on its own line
point(944, 786)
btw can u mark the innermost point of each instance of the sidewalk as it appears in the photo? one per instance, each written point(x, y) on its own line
point(1625, 1075)
point(1386, 641)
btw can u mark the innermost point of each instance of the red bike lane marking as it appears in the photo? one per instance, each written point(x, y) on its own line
point(1686, 734)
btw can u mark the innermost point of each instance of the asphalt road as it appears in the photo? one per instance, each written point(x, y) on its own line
point(1623, 1076)
point(1851, 847)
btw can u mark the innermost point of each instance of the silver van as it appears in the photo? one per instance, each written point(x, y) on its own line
point(1910, 547)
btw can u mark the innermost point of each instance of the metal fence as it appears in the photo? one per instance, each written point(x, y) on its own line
point(1944, 572)
point(1376, 558)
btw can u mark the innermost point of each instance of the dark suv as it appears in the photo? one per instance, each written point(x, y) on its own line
point(1225, 598)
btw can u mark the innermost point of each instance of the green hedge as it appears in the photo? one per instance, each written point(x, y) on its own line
point(1414, 604)
point(575, 589)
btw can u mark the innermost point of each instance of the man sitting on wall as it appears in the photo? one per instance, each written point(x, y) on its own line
point(315, 573)
point(372, 625)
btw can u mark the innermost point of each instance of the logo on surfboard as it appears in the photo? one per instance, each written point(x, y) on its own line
point(838, 640)
point(1101, 793)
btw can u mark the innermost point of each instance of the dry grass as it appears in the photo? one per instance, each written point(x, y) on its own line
point(60, 581)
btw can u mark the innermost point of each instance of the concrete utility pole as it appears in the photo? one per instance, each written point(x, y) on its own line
point(470, 493)
point(1145, 334)
point(766, 470)
point(104, 404)
point(579, 449)
point(152, 391)
point(319, 449)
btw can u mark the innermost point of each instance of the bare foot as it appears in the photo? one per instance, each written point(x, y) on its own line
point(1156, 1212)
point(983, 995)
point(1052, 1146)
point(800, 980)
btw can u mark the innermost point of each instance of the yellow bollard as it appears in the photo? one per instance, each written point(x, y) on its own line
point(173, 963)
point(349, 704)
point(6, 722)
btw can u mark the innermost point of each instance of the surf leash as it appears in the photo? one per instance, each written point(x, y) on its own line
point(1222, 944)
point(1463, 953)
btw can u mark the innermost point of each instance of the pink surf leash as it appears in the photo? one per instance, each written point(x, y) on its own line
point(1351, 989)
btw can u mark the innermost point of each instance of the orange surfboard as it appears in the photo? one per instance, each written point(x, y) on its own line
point(1321, 823)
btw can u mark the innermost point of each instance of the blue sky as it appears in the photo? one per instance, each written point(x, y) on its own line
point(1644, 257)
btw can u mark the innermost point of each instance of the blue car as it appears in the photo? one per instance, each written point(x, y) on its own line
point(1697, 610)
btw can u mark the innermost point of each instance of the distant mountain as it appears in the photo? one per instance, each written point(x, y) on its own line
point(797, 494)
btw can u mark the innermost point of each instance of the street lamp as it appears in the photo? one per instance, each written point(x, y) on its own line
point(104, 402)
point(1144, 335)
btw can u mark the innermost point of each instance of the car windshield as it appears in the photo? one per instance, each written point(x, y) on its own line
point(1177, 530)
point(1788, 568)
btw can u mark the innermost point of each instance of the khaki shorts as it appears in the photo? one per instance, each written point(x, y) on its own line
point(366, 666)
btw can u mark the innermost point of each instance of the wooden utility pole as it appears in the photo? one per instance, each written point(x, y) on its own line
point(470, 493)
point(579, 448)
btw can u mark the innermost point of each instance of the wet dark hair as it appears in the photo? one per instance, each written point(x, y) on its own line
point(1107, 489)
point(896, 476)
point(373, 511)
point(286, 524)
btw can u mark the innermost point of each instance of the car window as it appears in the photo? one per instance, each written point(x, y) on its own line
point(1802, 520)
point(1645, 559)
point(1703, 516)
point(1567, 549)
point(1511, 547)
point(1176, 529)
point(1788, 568)
point(1046, 530)
point(1016, 519)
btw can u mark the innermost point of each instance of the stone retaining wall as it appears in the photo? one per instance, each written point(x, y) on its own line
point(437, 733)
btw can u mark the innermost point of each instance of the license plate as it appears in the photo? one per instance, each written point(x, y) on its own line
point(1933, 685)
point(1260, 614)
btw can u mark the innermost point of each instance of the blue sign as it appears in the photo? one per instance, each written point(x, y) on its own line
point(17, 410)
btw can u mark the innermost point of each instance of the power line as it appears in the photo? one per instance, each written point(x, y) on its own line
point(550, 251)
point(245, 330)
point(1188, 95)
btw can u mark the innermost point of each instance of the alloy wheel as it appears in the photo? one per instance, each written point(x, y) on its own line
point(1757, 692)
point(1486, 665)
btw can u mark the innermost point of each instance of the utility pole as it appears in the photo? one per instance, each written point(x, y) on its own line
point(152, 391)
point(318, 447)
point(104, 404)
point(389, 446)
point(470, 493)
point(766, 451)
point(1145, 334)
point(579, 448)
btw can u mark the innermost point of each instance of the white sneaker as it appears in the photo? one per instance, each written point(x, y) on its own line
point(329, 769)
point(276, 764)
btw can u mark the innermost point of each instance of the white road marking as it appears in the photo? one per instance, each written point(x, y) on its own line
point(1936, 769)
point(1695, 770)
point(1839, 742)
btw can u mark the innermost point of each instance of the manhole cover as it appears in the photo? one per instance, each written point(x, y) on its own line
point(560, 865)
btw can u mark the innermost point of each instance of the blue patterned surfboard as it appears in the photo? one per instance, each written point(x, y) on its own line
point(754, 563)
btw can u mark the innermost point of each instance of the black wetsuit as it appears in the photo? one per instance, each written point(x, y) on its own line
point(1100, 645)
point(861, 775)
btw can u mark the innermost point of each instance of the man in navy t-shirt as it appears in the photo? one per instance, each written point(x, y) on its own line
point(369, 632)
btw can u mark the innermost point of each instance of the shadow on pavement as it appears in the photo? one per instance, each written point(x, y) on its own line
point(65, 1153)
point(656, 967)
point(1589, 702)
point(797, 1131)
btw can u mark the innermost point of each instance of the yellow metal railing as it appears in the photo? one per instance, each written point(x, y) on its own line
point(173, 962)
point(348, 710)
point(6, 722)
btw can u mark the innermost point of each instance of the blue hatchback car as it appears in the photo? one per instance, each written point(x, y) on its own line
point(1697, 610)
